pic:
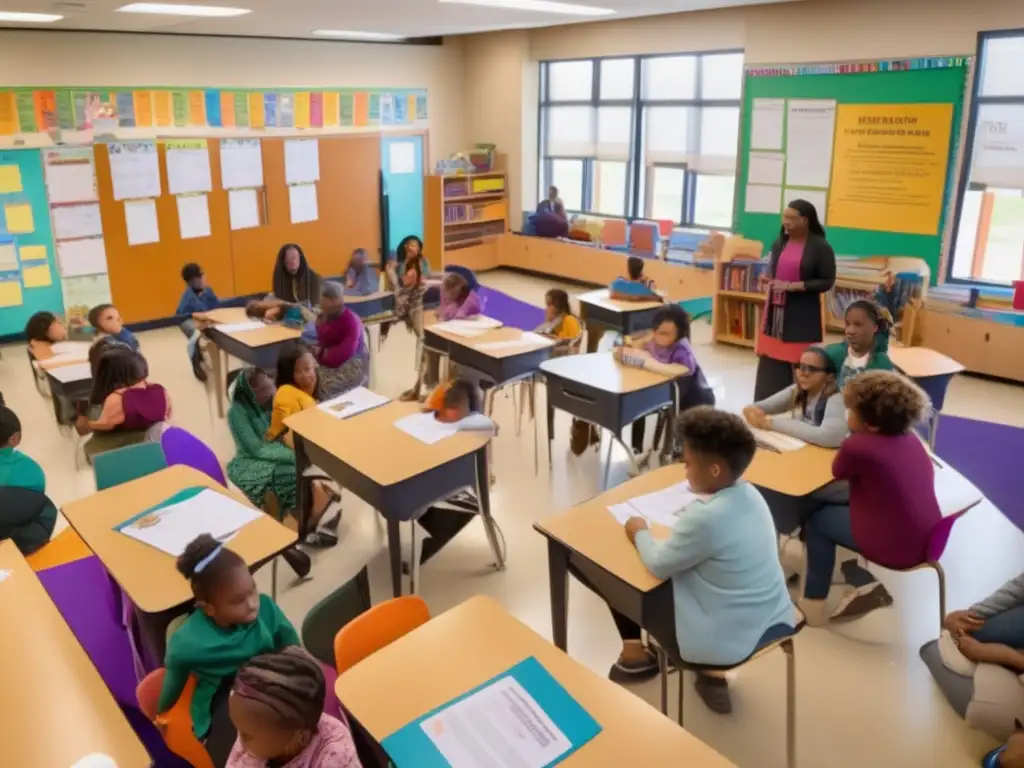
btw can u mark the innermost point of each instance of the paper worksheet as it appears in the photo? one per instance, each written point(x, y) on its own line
point(816, 197)
point(352, 402)
point(82, 257)
point(426, 428)
point(243, 208)
point(529, 338)
point(76, 221)
point(460, 328)
point(4, 573)
point(766, 168)
point(69, 373)
point(953, 491)
point(810, 130)
point(302, 201)
point(188, 166)
point(141, 222)
point(766, 123)
point(134, 169)
point(501, 726)
point(301, 161)
point(241, 163)
point(777, 441)
point(71, 349)
point(171, 528)
point(662, 507)
point(249, 325)
point(193, 216)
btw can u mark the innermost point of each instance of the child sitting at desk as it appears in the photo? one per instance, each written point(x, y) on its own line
point(197, 297)
point(458, 402)
point(341, 352)
point(277, 706)
point(360, 278)
point(458, 300)
point(232, 623)
point(17, 470)
point(666, 350)
point(866, 343)
point(559, 321)
point(728, 590)
point(27, 517)
point(892, 508)
point(48, 337)
point(636, 287)
point(107, 320)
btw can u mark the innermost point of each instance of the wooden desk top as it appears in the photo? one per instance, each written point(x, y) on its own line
point(590, 529)
point(601, 298)
point(599, 370)
point(59, 361)
point(57, 707)
point(223, 315)
point(261, 337)
point(921, 362)
point(147, 574)
point(353, 299)
point(374, 447)
point(793, 473)
point(477, 640)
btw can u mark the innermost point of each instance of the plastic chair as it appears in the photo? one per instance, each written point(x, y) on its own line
point(176, 723)
point(326, 618)
point(466, 274)
point(182, 447)
point(643, 236)
point(613, 233)
point(129, 463)
point(378, 627)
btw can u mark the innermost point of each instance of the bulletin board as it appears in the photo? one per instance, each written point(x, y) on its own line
point(28, 276)
point(920, 100)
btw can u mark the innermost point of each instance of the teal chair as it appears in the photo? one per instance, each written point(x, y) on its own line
point(128, 463)
point(332, 613)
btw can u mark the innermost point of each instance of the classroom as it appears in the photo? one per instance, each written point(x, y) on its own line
point(358, 359)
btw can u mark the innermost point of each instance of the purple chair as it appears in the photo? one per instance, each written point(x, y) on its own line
point(182, 447)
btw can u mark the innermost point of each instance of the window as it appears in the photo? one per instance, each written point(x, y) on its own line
point(988, 243)
point(643, 136)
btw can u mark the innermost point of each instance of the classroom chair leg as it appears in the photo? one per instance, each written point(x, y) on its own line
point(273, 580)
point(516, 409)
point(608, 463)
point(414, 561)
point(933, 429)
point(941, 574)
point(679, 703)
point(790, 651)
point(663, 674)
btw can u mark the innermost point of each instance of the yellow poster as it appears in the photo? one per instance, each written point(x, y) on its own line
point(331, 102)
point(302, 109)
point(10, 179)
point(8, 119)
point(162, 113)
point(143, 108)
point(256, 115)
point(889, 167)
point(37, 277)
point(32, 253)
point(196, 108)
point(19, 219)
point(10, 294)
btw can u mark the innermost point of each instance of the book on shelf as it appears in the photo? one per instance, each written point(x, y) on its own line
point(743, 276)
point(741, 319)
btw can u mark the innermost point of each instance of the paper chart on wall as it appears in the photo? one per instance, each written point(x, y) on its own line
point(188, 166)
point(810, 131)
point(141, 222)
point(763, 199)
point(816, 197)
point(243, 207)
point(241, 163)
point(765, 167)
point(134, 169)
point(303, 203)
point(77, 221)
point(8, 257)
point(301, 161)
point(402, 157)
point(71, 182)
point(766, 123)
point(82, 257)
point(193, 216)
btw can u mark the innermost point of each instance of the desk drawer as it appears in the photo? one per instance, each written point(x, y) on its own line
point(583, 402)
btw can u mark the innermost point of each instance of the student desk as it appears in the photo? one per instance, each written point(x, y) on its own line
point(598, 390)
point(258, 348)
point(145, 573)
point(392, 471)
point(477, 640)
point(791, 473)
point(598, 312)
point(932, 371)
point(69, 380)
point(372, 305)
point(57, 708)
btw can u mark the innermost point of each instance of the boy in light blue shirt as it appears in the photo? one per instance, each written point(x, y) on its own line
point(727, 583)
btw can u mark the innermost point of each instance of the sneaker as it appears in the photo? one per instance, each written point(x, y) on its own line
point(634, 670)
point(321, 539)
point(861, 601)
point(331, 523)
point(714, 692)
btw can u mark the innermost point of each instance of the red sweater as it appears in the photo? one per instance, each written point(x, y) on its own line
point(892, 496)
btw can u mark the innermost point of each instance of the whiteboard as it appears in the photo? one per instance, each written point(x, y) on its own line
point(241, 163)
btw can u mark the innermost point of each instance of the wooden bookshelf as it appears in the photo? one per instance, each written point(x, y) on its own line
point(860, 279)
point(463, 211)
point(737, 304)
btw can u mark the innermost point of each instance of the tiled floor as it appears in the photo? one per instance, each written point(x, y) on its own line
point(864, 698)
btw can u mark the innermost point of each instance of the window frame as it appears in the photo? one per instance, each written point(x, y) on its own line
point(964, 184)
point(638, 181)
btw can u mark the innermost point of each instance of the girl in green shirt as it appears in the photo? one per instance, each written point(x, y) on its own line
point(232, 623)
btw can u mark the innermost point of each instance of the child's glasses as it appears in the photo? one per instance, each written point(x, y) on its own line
point(805, 368)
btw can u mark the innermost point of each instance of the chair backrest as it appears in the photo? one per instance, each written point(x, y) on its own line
point(940, 534)
point(466, 274)
point(182, 447)
point(613, 232)
point(326, 618)
point(643, 236)
point(176, 723)
point(129, 463)
point(378, 627)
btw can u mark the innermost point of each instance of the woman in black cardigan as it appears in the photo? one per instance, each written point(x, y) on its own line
point(803, 266)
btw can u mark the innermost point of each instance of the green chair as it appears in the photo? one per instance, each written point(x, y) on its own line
point(327, 617)
point(129, 463)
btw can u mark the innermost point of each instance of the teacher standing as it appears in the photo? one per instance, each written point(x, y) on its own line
point(802, 267)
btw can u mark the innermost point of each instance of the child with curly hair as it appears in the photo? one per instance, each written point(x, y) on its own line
point(892, 507)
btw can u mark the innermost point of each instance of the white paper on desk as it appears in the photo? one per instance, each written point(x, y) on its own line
point(171, 528)
point(249, 325)
point(71, 349)
point(4, 574)
point(953, 491)
point(501, 726)
point(528, 338)
point(662, 507)
point(426, 428)
point(352, 402)
point(776, 440)
point(766, 123)
point(460, 328)
point(69, 373)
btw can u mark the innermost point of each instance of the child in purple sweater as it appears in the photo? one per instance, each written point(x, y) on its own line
point(663, 351)
point(892, 508)
point(458, 300)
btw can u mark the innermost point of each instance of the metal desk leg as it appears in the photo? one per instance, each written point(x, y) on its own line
point(414, 559)
point(483, 495)
point(558, 580)
point(608, 462)
point(304, 487)
point(395, 553)
point(933, 429)
point(551, 430)
point(219, 384)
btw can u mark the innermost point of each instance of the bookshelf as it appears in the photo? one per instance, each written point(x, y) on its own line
point(463, 210)
point(738, 304)
point(860, 278)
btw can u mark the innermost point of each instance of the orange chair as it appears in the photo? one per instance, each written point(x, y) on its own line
point(613, 233)
point(176, 723)
point(378, 627)
point(643, 236)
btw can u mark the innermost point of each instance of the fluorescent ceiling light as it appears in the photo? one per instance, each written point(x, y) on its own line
point(345, 34)
point(29, 18)
point(540, 6)
point(177, 9)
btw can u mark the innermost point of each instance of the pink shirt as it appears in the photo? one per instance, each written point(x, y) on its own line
point(331, 747)
point(787, 270)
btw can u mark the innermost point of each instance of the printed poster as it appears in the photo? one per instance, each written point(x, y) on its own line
point(269, 110)
point(126, 109)
point(213, 116)
point(285, 110)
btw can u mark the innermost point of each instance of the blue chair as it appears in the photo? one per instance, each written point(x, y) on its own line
point(466, 274)
point(128, 463)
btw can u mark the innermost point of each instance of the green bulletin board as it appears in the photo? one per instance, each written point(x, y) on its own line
point(912, 86)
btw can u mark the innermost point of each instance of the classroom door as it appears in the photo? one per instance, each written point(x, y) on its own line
point(402, 165)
